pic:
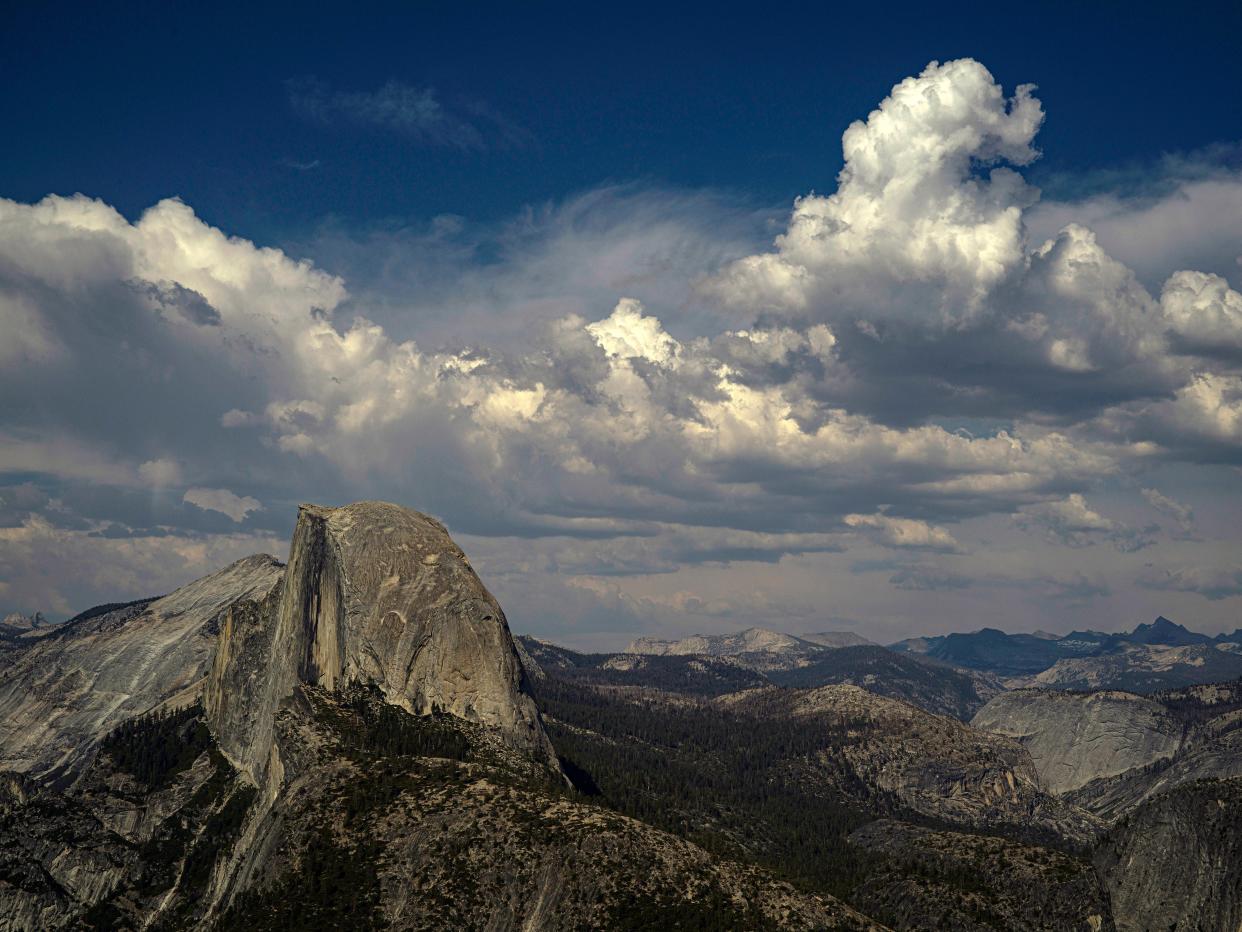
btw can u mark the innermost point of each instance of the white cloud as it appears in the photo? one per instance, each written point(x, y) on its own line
point(906, 359)
point(912, 206)
point(1204, 313)
point(1071, 521)
point(904, 532)
point(1192, 220)
point(223, 501)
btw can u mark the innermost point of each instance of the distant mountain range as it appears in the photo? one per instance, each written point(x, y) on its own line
point(1160, 655)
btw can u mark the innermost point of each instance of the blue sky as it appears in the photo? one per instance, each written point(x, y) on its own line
point(159, 99)
point(898, 319)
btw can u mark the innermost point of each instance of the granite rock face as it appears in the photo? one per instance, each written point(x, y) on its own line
point(930, 764)
point(1211, 748)
point(373, 594)
point(1143, 668)
point(62, 693)
point(750, 641)
point(1176, 861)
point(1076, 738)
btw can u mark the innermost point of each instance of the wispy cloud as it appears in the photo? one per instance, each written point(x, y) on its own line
point(1183, 515)
point(414, 112)
point(296, 165)
point(1212, 582)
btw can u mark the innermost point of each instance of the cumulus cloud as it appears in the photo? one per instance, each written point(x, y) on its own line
point(223, 501)
point(1072, 522)
point(904, 532)
point(631, 381)
point(1204, 315)
point(924, 197)
point(941, 303)
point(1181, 213)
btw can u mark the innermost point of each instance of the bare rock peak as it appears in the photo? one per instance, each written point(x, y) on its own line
point(373, 594)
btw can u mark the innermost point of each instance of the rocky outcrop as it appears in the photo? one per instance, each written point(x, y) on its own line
point(373, 594)
point(1211, 748)
point(1075, 738)
point(389, 821)
point(929, 764)
point(748, 641)
point(758, 648)
point(1176, 861)
point(62, 693)
point(1142, 668)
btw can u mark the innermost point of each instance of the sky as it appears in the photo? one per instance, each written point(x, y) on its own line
point(895, 320)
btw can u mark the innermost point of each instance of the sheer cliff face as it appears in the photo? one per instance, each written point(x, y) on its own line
point(373, 594)
point(1175, 862)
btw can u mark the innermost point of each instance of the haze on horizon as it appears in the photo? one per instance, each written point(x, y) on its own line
point(925, 396)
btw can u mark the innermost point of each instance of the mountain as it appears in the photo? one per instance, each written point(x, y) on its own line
point(1076, 738)
point(1141, 668)
point(18, 631)
point(1108, 752)
point(354, 739)
point(62, 693)
point(1210, 748)
point(348, 739)
point(1163, 631)
point(787, 777)
point(689, 674)
point(946, 882)
point(1160, 655)
point(16, 624)
point(837, 639)
point(757, 648)
point(932, 765)
point(932, 686)
point(393, 821)
point(373, 594)
point(997, 652)
point(1176, 861)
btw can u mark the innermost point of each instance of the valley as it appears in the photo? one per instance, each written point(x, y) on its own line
point(353, 736)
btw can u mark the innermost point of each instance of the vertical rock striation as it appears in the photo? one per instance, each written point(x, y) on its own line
point(1175, 862)
point(378, 595)
point(62, 693)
